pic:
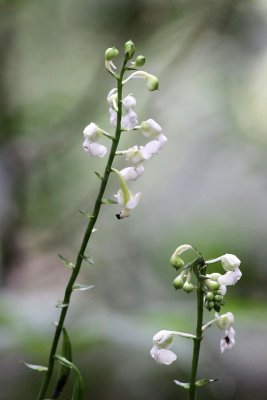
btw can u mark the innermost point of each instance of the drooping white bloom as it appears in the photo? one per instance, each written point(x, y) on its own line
point(150, 128)
point(129, 120)
point(159, 352)
point(230, 264)
point(228, 341)
point(94, 149)
point(92, 133)
point(129, 102)
point(151, 80)
point(127, 204)
point(112, 98)
point(132, 173)
point(136, 155)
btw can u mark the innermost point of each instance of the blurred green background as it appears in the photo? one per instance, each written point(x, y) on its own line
point(207, 187)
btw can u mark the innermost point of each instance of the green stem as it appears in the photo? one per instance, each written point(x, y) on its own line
point(87, 235)
point(198, 339)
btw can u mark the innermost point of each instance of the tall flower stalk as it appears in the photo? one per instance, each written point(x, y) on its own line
point(124, 119)
point(210, 291)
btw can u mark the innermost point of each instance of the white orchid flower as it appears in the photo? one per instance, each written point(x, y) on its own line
point(129, 120)
point(94, 149)
point(127, 204)
point(132, 173)
point(230, 264)
point(159, 352)
point(129, 102)
point(228, 341)
point(92, 133)
point(150, 128)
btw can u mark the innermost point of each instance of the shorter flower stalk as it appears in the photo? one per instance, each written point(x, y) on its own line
point(210, 290)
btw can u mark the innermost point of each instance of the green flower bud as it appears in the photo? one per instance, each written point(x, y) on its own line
point(178, 282)
point(188, 287)
point(129, 49)
point(211, 305)
point(152, 82)
point(140, 61)
point(212, 285)
point(218, 297)
point(209, 296)
point(111, 53)
point(176, 261)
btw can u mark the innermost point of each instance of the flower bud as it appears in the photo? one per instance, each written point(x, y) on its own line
point(188, 287)
point(140, 61)
point(209, 296)
point(225, 321)
point(152, 82)
point(218, 297)
point(129, 49)
point(178, 282)
point(111, 53)
point(176, 261)
point(212, 285)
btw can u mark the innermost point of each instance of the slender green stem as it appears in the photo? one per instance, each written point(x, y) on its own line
point(198, 339)
point(87, 235)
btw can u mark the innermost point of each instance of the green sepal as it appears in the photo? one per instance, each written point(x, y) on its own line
point(123, 185)
point(78, 392)
point(67, 263)
point(203, 382)
point(64, 371)
point(99, 175)
point(184, 385)
point(88, 259)
point(108, 201)
point(77, 286)
point(39, 368)
point(86, 214)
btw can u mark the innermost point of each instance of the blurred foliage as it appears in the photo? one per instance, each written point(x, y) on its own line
point(210, 189)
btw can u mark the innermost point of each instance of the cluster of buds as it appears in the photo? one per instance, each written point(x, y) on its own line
point(136, 156)
point(183, 280)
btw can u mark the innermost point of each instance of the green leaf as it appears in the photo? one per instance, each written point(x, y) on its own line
point(88, 259)
point(99, 175)
point(77, 286)
point(86, 214)
point(109, 201)
point(60, 304)
point(182, 384)
point(78, 392)
point(203, 382)
point(39, 368)
point(64, 371)
point(67, 263)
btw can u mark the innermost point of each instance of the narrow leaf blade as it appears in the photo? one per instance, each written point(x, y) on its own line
point(86, 214)
point(182, 384)
point(39, 368)
point(78, 286)
point(109, 201)
point(99, 175)
point(88, 259)
point(67, 263)
point(203, 382)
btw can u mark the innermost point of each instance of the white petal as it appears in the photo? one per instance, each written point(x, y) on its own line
point(113, 117)
point(97, 150)
point(151, 148)
point(151, 128)
point(119, 197)
point(132, 173)
point(162, 140)
point(230, 262)
point(166, 357)
point(133, 202)
point(129, 120)
point(223, 289)
point(225, 321)
point(230, 278)
point(86, 145)
point(90, 130)
point(129, 102)
point(163, 339)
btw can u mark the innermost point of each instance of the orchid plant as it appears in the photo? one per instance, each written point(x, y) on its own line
point(210, 289)
point(124, 120)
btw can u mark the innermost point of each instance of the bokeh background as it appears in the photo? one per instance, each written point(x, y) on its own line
point(207, 187)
